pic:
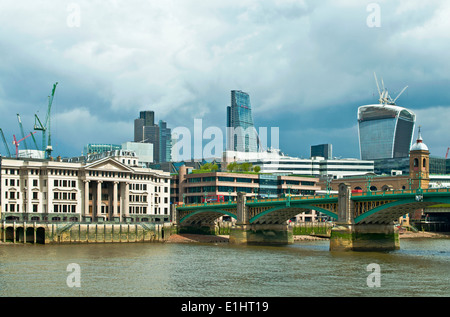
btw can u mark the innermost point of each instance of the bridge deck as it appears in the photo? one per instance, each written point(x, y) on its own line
point(372, 195)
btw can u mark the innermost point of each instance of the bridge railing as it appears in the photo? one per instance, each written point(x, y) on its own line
point(256, 200)
point(401, 191)
point(309, 197)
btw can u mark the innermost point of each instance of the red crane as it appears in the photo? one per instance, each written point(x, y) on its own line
point(16, 143)
point(446, 155)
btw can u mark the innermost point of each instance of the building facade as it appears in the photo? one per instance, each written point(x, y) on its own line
point(95, 148)
point(165, 142)
point(275, 162)
point(385, 131)
point(112, 188)
point(146, 131)
point(322, 150)
point(241, 132)
point(417, 177)
point(197, 187)
point(144, 152)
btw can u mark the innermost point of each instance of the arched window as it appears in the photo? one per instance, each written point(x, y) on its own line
point(424, 162)
point(416, 162)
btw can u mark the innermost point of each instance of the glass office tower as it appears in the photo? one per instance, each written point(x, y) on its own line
point(385, 131)
point(241, 132)
point(146, 131)
point(165, 142)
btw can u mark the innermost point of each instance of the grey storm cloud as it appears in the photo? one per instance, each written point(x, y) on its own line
point(307, 66)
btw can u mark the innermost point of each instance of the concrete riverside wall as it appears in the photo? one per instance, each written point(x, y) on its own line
point(83, 233)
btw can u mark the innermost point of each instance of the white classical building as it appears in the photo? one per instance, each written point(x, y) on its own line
point(109, 188)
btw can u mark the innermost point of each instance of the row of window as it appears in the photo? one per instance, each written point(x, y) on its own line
point(16, 182)
point(221, 179)
point(138, 186)
point(35, 182)
point(64, 208)
point(71, 208)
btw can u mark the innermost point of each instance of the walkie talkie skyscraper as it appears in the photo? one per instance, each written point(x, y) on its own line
point(385, 129)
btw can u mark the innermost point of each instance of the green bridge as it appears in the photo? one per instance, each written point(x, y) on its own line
point(364, 221)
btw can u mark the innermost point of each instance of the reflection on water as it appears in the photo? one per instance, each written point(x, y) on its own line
point(420, 268)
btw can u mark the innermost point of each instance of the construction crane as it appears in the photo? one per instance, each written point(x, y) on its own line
point(6, 143)
point(34, 141)
point(16, 143)
point(23, 134)
point(446, 155)
point(46, 143)
point(385, 98)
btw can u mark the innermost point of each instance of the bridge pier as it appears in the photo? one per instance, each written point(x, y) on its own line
point(348, 236)
point(261, 234)
point(245, 233)
point(370, 237)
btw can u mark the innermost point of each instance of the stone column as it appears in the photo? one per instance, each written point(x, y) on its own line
point(86, 200)
point(241, 209)
point(126, 202)
point(114, 204)
point(265, 234)
point(348, 236)
point(342, 235)
point(99, 200)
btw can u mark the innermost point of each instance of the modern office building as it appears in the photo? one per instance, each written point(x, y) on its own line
point(146, 131)
point(95, 148)
point(385, 131)
point(322, 150)
point(144, 152)
point(165, 142)
point(108, 187)
point(273, 161)
point(241, 132)
point(196, 187)
point(438, 165)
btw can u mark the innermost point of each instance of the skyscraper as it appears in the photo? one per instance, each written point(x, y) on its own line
point(165, 142)
point(241, 132)
point(323, 150)
point(385, 129)
point(146, 131)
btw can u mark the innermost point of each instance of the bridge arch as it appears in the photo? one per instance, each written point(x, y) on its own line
point(207, 214)
point(391, 211)
point(289, 212)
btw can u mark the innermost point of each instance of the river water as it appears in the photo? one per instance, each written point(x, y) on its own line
point(419, 268)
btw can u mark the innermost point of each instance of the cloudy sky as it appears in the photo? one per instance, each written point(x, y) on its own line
point(307, 65)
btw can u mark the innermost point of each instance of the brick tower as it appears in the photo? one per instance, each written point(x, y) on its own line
point(419, 164)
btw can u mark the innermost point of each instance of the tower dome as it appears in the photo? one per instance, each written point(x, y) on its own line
point(419, 145)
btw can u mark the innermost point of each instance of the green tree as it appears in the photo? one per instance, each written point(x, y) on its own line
point(231, 166)
point(257, 169)
point(206, 166)
point(246, 166)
